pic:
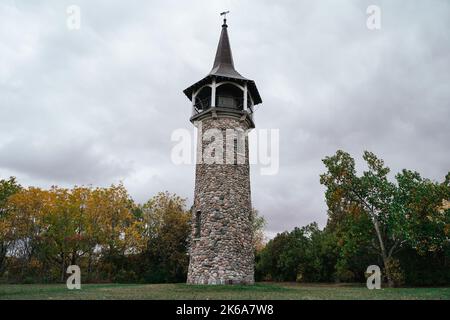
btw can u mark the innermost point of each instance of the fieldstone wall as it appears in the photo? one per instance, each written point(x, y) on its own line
point(223, 253)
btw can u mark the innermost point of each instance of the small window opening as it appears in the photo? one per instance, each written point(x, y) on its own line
point(198, 221)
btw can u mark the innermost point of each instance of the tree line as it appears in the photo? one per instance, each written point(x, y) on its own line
point(101, 230)
point(401, 226)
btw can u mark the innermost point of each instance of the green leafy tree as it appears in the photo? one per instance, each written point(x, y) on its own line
point(304, 254)
point(421, 213)
point(166, 229)
point(388, 206)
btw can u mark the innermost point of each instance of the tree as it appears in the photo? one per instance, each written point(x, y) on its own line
point(51, 229)
point(372, 192)
point(421, 212)
point(304, 254)
point(390, 208)
point(7, 189)
point(114, 232)
point(166, 228)
point(25, 224)
point(258, 225)
point(63, 238)
point(355, 237)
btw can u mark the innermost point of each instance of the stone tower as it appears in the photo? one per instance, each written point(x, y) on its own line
point(223, 102)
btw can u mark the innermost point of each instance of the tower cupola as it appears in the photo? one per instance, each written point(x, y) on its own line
point(223, 90)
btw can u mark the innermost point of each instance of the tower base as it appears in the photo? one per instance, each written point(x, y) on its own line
point(221, 281)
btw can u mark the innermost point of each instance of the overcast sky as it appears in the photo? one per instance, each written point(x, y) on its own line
point(98, 105)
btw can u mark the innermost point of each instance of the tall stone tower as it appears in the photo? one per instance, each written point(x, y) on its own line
point(222, 103)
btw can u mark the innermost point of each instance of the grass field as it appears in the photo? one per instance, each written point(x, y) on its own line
point(182, 291)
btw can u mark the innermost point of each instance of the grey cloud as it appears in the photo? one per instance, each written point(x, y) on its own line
point(65, 161)
point(98, 105)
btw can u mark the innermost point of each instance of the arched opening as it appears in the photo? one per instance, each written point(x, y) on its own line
point(229, 96)
point(203, 99)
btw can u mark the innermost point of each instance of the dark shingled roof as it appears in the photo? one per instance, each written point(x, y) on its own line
point(223, 63)
point(224, 68)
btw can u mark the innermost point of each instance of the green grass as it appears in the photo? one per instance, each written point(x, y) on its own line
point(181, 291)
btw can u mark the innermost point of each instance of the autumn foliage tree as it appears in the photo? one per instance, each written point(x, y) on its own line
point(166, 228)
point(102, 230)
point(7, 189)
point(44, 231)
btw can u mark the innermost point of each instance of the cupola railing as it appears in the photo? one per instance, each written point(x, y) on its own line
point(225, 102)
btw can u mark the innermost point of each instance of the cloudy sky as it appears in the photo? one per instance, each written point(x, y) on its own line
point(98, 105)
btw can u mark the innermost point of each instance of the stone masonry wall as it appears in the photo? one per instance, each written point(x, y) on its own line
point(223, 254)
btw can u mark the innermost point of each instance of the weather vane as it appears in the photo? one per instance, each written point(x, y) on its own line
point(224, 14)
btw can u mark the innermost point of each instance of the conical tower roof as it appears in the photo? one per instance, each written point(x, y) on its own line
point(223, 63)
point(223, 69)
